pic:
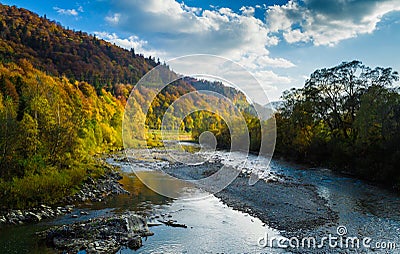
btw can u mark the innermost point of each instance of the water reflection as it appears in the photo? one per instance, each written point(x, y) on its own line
point(364, 209)
point(21, 239)
point(212, 226)
point(140, 198)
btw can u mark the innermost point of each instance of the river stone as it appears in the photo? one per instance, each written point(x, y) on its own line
point(33, 216)
point(119, 230)
point(135, 243)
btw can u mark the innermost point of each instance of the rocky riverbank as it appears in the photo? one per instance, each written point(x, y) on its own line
point(94, 190)
point(285, 205)
point(99, 235)
point(288, 207)
point(279, 201)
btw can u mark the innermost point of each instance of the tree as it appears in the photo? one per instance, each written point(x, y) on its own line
point(8, 134)
point(346, 117)
point(29, 136)
point(335, 93)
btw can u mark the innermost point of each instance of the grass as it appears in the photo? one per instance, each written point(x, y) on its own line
point(49, 187)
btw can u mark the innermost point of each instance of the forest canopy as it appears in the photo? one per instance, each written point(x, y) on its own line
point(50, 128)
point(346, 117)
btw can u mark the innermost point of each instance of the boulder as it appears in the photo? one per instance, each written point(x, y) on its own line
point(101, 235)
point(135, 243)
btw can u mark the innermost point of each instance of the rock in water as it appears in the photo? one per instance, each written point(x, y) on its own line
point(100, 235)
point(135, 243)
point(135, 223)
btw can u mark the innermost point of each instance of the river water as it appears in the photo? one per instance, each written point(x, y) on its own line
point(365, 210)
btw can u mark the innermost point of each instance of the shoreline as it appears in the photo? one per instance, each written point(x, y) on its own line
point(285, 206)
point(393, 188)
point(93, 190)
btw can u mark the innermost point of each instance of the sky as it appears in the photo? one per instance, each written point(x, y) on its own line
point(279, 42)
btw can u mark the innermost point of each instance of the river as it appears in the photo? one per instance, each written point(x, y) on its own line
point(365, 210)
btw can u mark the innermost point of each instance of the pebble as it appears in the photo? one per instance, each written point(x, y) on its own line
point(92, 190)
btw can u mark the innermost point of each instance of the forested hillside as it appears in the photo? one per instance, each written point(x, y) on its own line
point(50, 128)
point(62, 95)
point(56, 115)
point(59, 51)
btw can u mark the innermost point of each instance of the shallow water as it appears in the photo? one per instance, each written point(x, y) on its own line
point(365, 210)
point(212, 226)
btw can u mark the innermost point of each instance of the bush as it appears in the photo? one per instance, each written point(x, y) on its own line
point(46, 188)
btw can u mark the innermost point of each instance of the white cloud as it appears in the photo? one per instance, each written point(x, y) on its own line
point(69, 12)
point(247, 10)
point(255, 61)
point(179, 29)
point(269, 78)
point(175, 29)
point(196, 10)
point(140, 46)
point(251, 82)
point(271, 82)
point(327, 22)
point(113, 19)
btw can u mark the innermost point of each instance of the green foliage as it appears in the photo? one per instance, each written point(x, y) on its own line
point(347, 117)
point(50, 128)
point(34, 189)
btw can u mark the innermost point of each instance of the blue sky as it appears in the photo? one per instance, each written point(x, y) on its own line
point(279, 42)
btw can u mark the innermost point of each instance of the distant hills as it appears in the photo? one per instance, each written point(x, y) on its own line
point(59, 51)
point(79, 56)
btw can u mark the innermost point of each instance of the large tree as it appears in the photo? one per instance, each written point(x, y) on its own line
point(346, 116)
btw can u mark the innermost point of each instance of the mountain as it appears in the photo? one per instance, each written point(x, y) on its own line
point(78, 55)
point(274, 105)
point(59, 51)
point(62, 99)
